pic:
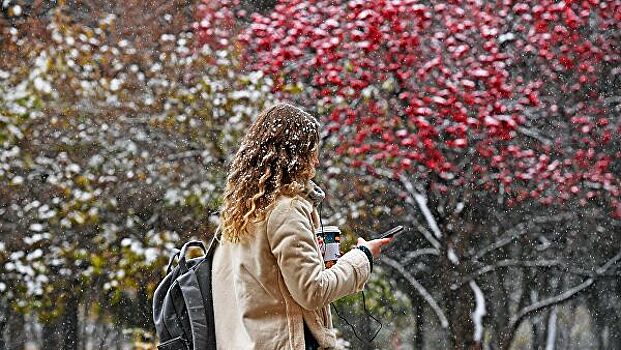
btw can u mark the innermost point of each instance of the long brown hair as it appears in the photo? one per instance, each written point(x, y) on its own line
point(275, 157)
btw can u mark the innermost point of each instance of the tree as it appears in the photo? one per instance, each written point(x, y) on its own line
point(485, 121)
point(112, 153)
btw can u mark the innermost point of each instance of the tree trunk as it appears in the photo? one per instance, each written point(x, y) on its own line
point(69, 326)
point(417, 308)
point(551, 329)
point(460, 304)
point(119, 338)
point(50, 336)
point(500, 302)
point(614, 332)
point(539, 331)
point(144, 308)
point(564, 340)
point(606, 314)
point(15, 330)
point(462, 327)
point(4, 314)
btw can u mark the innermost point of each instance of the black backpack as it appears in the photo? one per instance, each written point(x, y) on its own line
point(183, 303)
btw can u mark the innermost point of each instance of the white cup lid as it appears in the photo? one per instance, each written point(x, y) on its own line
point(328, 229)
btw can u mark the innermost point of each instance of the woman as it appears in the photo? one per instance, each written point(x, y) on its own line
point(270, 287)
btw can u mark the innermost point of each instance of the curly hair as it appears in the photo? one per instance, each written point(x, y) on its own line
point(275, 157)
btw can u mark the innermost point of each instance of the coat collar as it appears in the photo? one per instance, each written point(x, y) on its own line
point(314, 193)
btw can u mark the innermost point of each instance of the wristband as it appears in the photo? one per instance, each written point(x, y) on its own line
point(367, 252)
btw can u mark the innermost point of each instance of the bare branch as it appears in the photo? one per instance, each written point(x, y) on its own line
point(419, 288)
point(568, 294)
point(608, 264)
point(515, 319)
point(428, 236)
point(560, 217)
point(418, 197)
point(507, 238)
point(135, 120)
point(533, 263)
point(505, 263)
point(534, 134)
point(521, 229)
point(420, 252)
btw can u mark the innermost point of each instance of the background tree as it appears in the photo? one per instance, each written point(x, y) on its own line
point(112, 153)
point(484, 119)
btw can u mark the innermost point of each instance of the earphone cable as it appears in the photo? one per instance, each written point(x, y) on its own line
point(364, 303)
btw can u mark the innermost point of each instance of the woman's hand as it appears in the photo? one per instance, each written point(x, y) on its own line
point(374, 245)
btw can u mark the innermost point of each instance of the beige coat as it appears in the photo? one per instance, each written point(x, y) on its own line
point(267, 285)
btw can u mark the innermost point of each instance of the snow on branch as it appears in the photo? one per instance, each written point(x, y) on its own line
point(388, 175)
point(419, 288)
point(479, 311)
point(566, 295)
point(428, 236)
point(421, 200)
point(422, 203)
point(419, 252)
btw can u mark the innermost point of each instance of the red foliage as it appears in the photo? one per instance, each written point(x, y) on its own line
point(217, 23)
point(512, 94)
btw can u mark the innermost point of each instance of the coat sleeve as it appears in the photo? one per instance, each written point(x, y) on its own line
point(292, 241)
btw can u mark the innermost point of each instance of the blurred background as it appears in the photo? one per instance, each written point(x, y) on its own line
point(490, 129)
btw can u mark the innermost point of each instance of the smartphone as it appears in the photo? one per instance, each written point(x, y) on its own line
point(391, 232)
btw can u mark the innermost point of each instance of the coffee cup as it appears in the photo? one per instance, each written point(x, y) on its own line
point(330, 236)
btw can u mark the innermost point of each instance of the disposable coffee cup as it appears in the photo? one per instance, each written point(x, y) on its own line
point(330, 244)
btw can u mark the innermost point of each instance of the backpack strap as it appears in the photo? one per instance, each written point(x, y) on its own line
point(160, 304)
point(169, 312)
point(193, 298)
point(171, 261)
point(208, 297)
point(184, 250)
point(213, 244)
